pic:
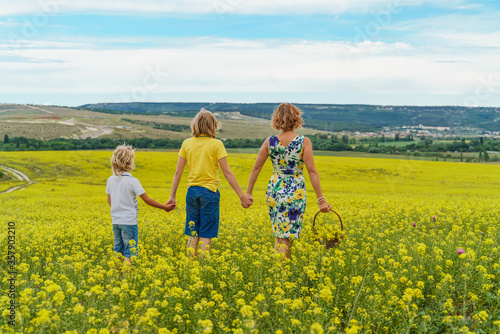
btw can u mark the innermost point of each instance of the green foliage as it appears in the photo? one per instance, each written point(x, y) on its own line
point(320, 142)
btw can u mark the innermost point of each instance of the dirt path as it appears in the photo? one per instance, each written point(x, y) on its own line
point(49, 112)
point(19, 175)
point(85, 129)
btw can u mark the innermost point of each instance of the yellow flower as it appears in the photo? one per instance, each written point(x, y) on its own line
point(58, 297)
point(97, 289)
point(271, 202)
point(164, 331)
point(246, 311)
point(316, 328)
point(42, 316)
point(421, 248)
point(206, 326)
point(260, 297)
point(353, 327)
point(78, 309)
point(326, 293)
point(481, 316)
point(299, 194)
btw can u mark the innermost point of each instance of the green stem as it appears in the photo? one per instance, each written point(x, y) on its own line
point(359, 292)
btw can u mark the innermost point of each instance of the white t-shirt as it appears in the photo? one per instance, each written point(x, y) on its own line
point(124, 191)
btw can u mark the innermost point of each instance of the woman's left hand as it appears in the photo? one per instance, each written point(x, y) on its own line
point(247, 201)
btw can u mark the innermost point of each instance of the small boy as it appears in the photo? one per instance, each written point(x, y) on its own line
point(122, 189)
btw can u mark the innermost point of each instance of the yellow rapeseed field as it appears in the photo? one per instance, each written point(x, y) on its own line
point(396, 270)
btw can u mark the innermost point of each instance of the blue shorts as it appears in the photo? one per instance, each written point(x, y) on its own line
point(202, 212)
point(122, 236)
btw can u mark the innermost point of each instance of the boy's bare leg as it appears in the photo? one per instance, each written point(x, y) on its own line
point(282, 246)
point(192, 246)
point(127, 266)
point(118, 263)
point(206, 246)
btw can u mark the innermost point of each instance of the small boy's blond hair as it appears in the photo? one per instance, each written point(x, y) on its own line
point(122, 160)
point(204, 123)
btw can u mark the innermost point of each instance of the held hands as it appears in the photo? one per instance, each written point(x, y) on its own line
point(246, 201)
point(171, 204)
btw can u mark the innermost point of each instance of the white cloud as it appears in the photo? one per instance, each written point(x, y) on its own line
point(473, 30)
point(9, 24)
point(242, 67)
point(211, 6)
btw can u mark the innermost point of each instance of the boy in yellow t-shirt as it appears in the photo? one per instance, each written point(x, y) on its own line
point(203, 155)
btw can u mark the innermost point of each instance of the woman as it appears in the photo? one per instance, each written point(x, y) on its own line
point(286, 192)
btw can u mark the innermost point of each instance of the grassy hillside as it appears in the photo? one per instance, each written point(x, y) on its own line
point(50, 122)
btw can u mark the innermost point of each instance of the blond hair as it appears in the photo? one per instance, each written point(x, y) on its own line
point(287, 117)
point(122, 160)
point(204, 123)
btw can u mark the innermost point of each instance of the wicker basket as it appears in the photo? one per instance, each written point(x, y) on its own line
point(333, 242)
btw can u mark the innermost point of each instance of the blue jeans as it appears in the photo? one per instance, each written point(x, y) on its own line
point(123, 234)
point(202, 212)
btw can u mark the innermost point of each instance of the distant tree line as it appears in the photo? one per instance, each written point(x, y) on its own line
point(65, 144)
point(320, 142)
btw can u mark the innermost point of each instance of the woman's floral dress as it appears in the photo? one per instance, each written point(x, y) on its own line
point(286, 192)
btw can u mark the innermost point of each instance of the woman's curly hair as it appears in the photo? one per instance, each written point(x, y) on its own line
point(287, 117)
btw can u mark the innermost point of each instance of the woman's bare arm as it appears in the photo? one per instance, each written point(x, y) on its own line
point(313, 173)
point(259, 163)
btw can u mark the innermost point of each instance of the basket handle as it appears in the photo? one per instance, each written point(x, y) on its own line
point(341, 224)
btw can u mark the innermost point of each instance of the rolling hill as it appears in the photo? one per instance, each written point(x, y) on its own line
point(332, 117)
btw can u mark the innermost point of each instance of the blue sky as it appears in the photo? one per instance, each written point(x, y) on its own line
point(412, 52)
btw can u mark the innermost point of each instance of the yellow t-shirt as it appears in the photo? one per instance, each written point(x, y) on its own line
point(202, 155)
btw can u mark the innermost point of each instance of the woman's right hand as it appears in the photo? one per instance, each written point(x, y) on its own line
point(325, 207)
